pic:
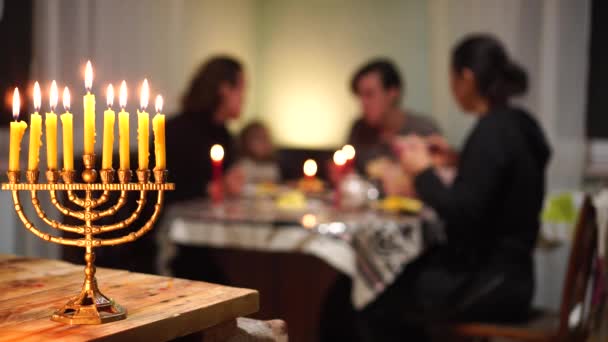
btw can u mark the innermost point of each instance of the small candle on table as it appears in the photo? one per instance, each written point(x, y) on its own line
point(89, 111)
point(35, 131)
point(17, 130)
point(68, 133)
point(50, 123)
point(217, 158)
point(143, 130)
point(123, 129)
point(349, 152)
point(340, 161)
point(310, 169)
point(158, 126)
point(109, 117)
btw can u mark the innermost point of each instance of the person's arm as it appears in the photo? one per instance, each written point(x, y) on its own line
point(477, 185)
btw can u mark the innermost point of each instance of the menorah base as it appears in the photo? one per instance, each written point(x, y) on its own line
point(90, 307)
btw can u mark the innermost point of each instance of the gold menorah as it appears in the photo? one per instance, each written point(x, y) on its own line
point(90, 306)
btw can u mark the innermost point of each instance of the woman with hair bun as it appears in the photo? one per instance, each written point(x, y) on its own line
point(484, 272)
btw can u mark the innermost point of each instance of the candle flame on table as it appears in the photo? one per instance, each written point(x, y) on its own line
point(66, 99)
point(310, 168)
point(339, 158)
point(159, 103)
point(37, 97)
point(145, 95)
point(309, 221)
point(110, 95)
point(122, 97)
point(349, 151)
point(217, 153)
point(16, 104)
point(54, 96)
point(88, 76)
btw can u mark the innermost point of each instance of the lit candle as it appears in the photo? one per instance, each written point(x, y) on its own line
point(89, 111)
point(50, 123)
point(143, 127)
point(123, 128)
point(349, 152)
point(68, 135)
point(17, 129)
point(217, 158)
point(109, 117)
point(340, 160)
point(310, 168)
point(158, 126)
point(35, 131)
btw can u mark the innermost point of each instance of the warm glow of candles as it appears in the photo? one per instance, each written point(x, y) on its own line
point(50, 123)
point(35, 131)
point(89, 111)
point(109, 118)
point(17, 130)
point(340, 158)
point(123, 128)
point(217, 153)
point(158, 126)
point(310, 168)
point(68, 132)
point(349, 152)
point(143, 127)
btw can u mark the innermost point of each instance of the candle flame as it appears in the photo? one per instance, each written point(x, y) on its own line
point(309, 221)
point(16, 104)
point(159, 103)
point(110, 95)
point(339, 158)
point(123, 95)
point(88, 76)
point(217, 153)
point(310, 168)
point(145, 95)
point(37, 96)
point(53, 96)
point(66, 99)
point(349, 151)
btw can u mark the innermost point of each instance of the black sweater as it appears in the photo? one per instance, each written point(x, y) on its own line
point(492, 209)
point(189, 138)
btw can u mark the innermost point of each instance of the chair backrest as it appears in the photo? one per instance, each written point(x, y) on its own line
point(574, 317)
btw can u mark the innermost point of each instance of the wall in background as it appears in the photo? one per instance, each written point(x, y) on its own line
point(308, 50)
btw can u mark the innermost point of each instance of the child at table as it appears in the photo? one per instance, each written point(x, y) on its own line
point(257, 150)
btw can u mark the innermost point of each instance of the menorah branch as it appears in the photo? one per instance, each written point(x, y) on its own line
point(122, 199)
point(92, 203)
point(51, 222)
point(141, 202)
point(65, 211)
point(143, 230)
point(44, 236)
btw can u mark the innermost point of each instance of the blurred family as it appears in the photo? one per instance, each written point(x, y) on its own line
point(490, 205)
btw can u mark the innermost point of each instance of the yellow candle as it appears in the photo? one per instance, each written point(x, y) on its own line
point(158, 126)
point(17, 129)
point(123, 129)
point(50, 124)
point(35, 131)
point(68, 135)
point(89, 112)
point(109, 117)
point(143, 128)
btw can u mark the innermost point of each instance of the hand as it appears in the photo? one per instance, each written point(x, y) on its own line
point(413, 153)
point(442, 154)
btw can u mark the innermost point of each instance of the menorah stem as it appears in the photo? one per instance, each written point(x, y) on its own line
point(89, 270)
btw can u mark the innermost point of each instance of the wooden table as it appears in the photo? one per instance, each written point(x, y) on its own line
point(159, 308)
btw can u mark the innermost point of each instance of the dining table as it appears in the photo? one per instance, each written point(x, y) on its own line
point(293, 254)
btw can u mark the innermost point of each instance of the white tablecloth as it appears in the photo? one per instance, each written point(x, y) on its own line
point(370, 248)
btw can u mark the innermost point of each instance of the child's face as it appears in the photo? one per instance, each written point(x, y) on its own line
point(260, 144)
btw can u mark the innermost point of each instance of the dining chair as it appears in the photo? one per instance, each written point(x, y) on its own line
point(575, 317)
